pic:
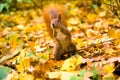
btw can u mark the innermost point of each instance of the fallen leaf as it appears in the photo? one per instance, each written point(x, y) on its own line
point(109, 68)
point(26, 76)
point(71, 63)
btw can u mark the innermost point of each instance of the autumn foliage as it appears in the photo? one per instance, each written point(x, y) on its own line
point(26, 48)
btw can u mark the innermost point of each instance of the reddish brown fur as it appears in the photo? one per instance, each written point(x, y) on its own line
point(54, 16)
point(51, 11)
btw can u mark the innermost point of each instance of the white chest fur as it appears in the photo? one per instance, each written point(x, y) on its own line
point(60, 36)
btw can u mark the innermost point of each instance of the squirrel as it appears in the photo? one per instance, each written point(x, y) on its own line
point(54, 17)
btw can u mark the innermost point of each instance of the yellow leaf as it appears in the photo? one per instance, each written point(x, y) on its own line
point(114, 33)
point(109, 77)
point(71, 63)
point(74, 11)
point(79, 42)
point(73, 21)
point(13, 41)
point(21, 27)
point(26, 77)
point(2, 42)
point(23, 65)
point(91, 17)
point(113, 21)
point(102, 14)
point(53, 75)
point(117, 42)
point(62, 75)
point(118, 78)
point(110, 51)
point(92, 33)
point(32, 46)
point(109, 68)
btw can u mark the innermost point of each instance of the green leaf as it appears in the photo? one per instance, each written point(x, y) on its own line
point(30, 54)
point(108, 78)
point(82, 74)
point(6, 6)
point(74, 78)
point(28, 0)
point(4, 71)
point(19, 1)
point(1, 7)
point(95, 73)
point(45, 57)
point(8, 1)
point(94, 6)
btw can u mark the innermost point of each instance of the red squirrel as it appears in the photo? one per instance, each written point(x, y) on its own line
point(54, 17)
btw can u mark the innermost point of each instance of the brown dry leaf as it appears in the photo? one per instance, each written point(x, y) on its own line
point(44, 66)
point(11, 54)
point(113, 59)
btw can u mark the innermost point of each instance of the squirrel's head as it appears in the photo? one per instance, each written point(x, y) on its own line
point(56, 22)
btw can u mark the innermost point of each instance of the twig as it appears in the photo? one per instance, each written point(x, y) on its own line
point(98, 43)
point(15, 53)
